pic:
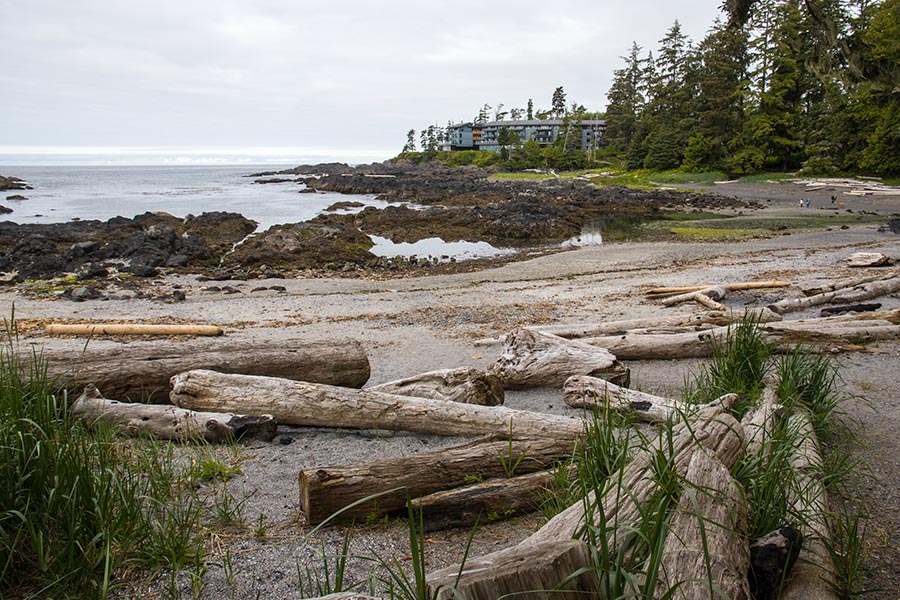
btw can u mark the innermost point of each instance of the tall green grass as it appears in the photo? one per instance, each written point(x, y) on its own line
point(76, 507)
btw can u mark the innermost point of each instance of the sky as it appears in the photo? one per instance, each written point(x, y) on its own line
point(194, 81)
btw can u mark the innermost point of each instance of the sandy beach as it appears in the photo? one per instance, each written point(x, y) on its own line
point(416, 324)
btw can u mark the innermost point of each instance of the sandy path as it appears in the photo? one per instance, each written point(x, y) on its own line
point(418, 324)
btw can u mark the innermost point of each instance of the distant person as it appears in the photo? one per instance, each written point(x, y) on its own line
point(807, 203)
point(833, 198)
point(801, 202)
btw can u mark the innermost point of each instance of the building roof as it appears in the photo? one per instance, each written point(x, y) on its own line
point(539, 122)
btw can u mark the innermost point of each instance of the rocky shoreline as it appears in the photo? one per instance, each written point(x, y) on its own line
point(453, 204)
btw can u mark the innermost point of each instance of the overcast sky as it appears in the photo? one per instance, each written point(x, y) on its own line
point(337, 77)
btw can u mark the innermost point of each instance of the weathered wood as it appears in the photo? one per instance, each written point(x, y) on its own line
point(706, 553)
point(708, 302)
point(869, 259)
point(531, 572)
point(731, 287)
point(697, 344)
point(345, 596)
point(622, 501)
point(169, 422)
point(138, 372)
point(326, 490)
point(485, 502)
point(771, 559)
point(848, 308)
point(319, 405)
point(711, 293)
point(858, 333)
point(857, 293)
point(813, 576)
point(584, 330)
point(466, 385)
point(583, 391)
point(820, 287)
point(759, 423)
point(93, 329)
point(532, 359)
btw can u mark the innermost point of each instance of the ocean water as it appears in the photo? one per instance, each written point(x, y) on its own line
point(63, 193)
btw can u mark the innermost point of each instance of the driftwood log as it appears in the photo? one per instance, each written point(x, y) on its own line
point(706, 552)
point(140, 372)
point(169, 422)
point(813, 575)
point(759, 423)
point(533, 359)
point(857, 293)
point(537, 569)
point(661, 292)
point(466, 385)
point(869, 259)
point(487, 501)
point(820, 287)
point(91, 329)
point(771, 559)
point(622, 502)
point(326, 490)
point(318, 405)
point(849, 308)
point(708, 295)
point(588, 392)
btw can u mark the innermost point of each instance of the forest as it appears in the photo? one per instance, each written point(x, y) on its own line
point(776, 85)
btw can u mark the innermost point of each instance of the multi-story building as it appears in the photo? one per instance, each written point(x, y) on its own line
point(474, 136)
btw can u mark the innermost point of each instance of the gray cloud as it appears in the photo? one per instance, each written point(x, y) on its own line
point(338, 74)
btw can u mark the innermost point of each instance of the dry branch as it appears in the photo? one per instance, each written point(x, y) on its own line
point(318, 405)
point(466, 385)
point(711, 293)
point(170, 422)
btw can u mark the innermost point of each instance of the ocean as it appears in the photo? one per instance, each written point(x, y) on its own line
point(63, 193)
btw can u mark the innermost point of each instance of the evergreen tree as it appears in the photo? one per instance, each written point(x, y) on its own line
point(410, 145)
point(530, 110)
point(558, 102)
point(626, 100)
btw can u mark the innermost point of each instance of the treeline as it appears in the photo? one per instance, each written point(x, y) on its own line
point(777, 85)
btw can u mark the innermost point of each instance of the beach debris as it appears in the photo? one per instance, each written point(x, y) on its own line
point(869, 259)
point(168, 422)
point(92, 329)
point(707, 297)
point(863, 291)
point(662, 292)
point(831, 311)
point(465, 384)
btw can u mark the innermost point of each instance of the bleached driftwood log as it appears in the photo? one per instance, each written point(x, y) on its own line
point(169, 422)
point(586, 330)
point(486, 501)
point(346, 596)
point(532, 359)
point(622, 502)
point(466, 385)
point(821, 287)
point(91, 329)
point(858, 293)
point(711, 293)
point(584, 391)
point(706, 553)
point(318, 405)
point(326, 490)
point(813, 576)
point(137, 371)
point(538, 569)
point(643, 346)
point(759, 423)
point(661, 292)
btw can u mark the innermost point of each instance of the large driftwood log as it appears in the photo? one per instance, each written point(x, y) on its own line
point(584, 391)
point(137, 372)
point(622, 502)
point(487, 501)
point(706, 552)
point(318, 405)
point(639, 346)
point(661, 292)
point(586, 330)
point(869, 259)
point(90, 329)
point(813, 576)
point(169, 422)
point(537, 570)
point(858, 293)
point(820, 287)
point(759, 423)
point(830, 311)
point(466, 385)
point(532, 359)
point(326, 490)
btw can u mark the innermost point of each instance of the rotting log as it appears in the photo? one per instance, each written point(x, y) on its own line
point(93, 329)
point(705, 554)
point(139, 372)
point(583, 391)
point(586, 330)
point(326, 490)
point(466, 385)
point(857, 293)
point(532, 572)
point(532, 359)
point(319, 405)
point(622, 502)
point(169, 422)
point(711, 293)
point(813, 576)
point(486, 501)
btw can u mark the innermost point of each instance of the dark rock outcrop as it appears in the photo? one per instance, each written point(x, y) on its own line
point(13, 183)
